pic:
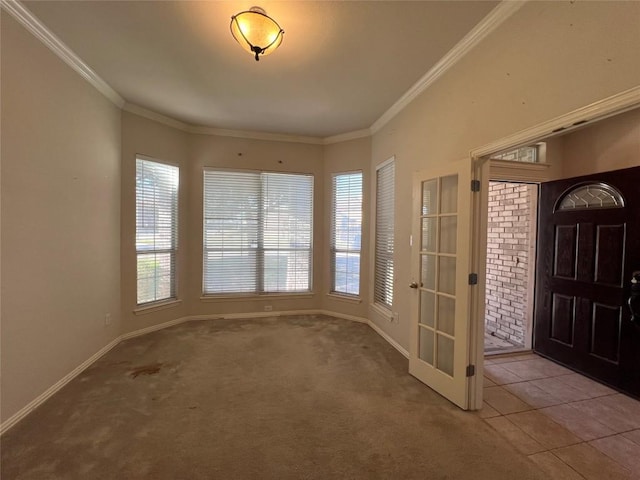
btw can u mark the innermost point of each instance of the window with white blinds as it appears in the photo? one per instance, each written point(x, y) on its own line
point(383, 281)
point(156, 230)
point(257, 232)
point(346, 233)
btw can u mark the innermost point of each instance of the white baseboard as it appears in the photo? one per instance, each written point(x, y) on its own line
point(391, 341)
point(344, 316)
point(375, 327)
point(282, 313)
point(152, 328)
point(40, 399)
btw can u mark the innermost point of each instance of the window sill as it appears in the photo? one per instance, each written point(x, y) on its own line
point(265, 296)
point(344, 298)
point(383, 311)
point(154, 307)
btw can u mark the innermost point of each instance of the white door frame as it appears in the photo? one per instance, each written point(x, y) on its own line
point(455, 385)
point(599, 110)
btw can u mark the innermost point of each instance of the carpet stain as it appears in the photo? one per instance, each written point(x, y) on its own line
point(150, 369)
point(312, 403)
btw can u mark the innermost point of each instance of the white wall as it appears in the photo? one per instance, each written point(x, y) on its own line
point(548, 59)
point(60, 218)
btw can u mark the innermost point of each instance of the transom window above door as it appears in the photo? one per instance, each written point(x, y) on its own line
point(590, 195)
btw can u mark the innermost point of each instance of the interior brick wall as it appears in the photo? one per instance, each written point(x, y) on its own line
point(508, 262)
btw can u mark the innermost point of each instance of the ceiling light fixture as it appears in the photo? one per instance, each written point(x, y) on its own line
point(256, 32)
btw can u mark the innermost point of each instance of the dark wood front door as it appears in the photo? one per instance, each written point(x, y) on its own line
point(588, 249)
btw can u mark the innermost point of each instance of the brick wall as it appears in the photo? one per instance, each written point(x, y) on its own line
point(510, 232)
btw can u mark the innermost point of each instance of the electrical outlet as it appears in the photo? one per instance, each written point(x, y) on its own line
point(107, 319)
point(268, 308)
point(395, 318)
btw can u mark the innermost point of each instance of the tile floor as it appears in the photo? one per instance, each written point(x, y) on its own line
point(498, 345)
point(571, 426)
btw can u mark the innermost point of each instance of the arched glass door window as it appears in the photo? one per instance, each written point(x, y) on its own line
point(590, 195)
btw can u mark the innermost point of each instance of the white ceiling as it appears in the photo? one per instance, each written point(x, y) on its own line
point(341, 65)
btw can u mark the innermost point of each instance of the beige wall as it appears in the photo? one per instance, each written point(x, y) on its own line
point(60, 218)
point(550, 58)
point(69, 164)
point(350, 156)
point(192, 153)
point(164, 144)
point(228, 152)
point(610, 144)
point(554, 157)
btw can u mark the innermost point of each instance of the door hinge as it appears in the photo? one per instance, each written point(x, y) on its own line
point(475, 185)
point(473, 279)
point(471, 370)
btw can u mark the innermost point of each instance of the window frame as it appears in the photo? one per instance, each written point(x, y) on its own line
point(260, 249)
point(612, 191)
point(383, 283)
point(538, 149)
point(333, 250)
point(172, 251)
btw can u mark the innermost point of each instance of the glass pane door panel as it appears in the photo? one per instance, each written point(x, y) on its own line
point(445, 355)
point(449, 194)
point(446, 314)
point(428, 275)
point(425, 347)
point(440, 311)
point(447, 275)
point(427, 308)
point(429, 234)
point(448, 234)
point(429, 197)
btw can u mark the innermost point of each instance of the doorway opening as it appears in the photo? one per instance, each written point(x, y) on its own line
point(511, 256)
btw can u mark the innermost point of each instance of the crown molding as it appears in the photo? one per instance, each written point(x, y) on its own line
point(221, 132)
point(607, 107)
point(488, 24)
point(273, 137)
point(156, 117)
point(57, 46)
point(203, 130)
point(344, 137)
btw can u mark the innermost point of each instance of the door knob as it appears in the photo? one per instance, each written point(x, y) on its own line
point(634, 299)
point(413, 285)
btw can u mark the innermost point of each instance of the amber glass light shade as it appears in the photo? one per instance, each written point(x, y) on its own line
point(256, 32)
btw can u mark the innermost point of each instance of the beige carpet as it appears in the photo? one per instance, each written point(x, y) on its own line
point(276, 398)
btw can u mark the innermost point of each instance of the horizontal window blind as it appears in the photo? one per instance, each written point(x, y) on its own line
point(385, 191)
point(257, 232)
point(156, 230)
point(346, 233)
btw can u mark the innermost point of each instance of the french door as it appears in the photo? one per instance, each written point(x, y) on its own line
point(441, 246)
